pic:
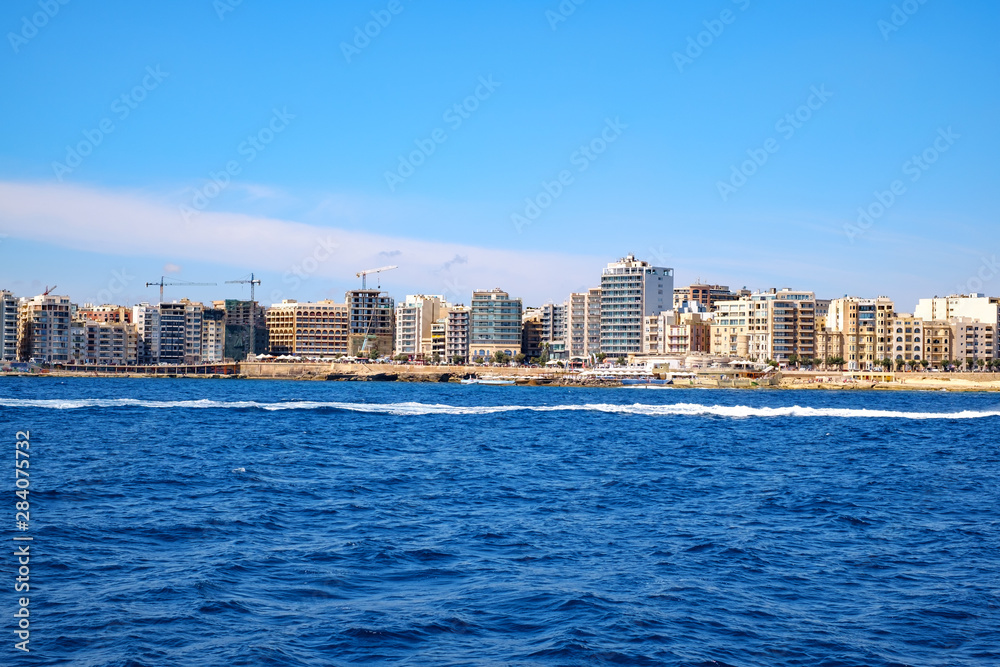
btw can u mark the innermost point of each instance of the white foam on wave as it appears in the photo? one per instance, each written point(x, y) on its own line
point(417, 409)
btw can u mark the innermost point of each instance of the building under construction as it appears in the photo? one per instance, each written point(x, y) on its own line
point(371, 322)
point(241, 318)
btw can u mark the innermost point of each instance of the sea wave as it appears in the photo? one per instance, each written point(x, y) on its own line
point(419, 409)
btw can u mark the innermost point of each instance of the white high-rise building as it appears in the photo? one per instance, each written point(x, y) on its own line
point(8, 326)
point(146, 318)
point(631, 290)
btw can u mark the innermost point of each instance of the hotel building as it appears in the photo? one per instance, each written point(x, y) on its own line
point(494, 324)
point(631, 290)
point(8, 326)
point(310, 329)
point(43, 329)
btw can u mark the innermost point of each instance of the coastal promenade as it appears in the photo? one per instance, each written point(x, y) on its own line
point(361, 372)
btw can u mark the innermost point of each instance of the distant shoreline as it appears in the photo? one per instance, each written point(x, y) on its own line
point(796, 380)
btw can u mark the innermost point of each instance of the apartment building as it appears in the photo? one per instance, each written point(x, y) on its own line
point(309, 329)
point(371, 317)
point(8, 326)
point(213, 335)
point(415, 320)
point(494, 323)
point(730, 336)
point(766, 325)
point(907, 338)
point(592, 324)
point(974, 341)
point(631, 290)
point(676, 333)
point(456, 333)
point(866, 327)
point(146, 318)
point(43, 329)
point(104, 343)
point(969, 306)
point(576, 324)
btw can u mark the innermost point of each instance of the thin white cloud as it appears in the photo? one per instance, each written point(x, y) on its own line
point(136, 224)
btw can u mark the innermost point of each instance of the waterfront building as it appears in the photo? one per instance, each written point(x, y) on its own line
point(146, 318)
point(531, 333)
point(576, 325)
point(310, 329)
point(592, 324)
point(494, 323)
point(866, 326)
point(631, 289)
point(370, 322)
point(103, 343)
point(242, 320)
point(554, 328)
point(8, 326)
point(213, 335)
point(706, 295)
point(415, 318)
point(970, 306)
point(772, 325)
point(975, 341)
point(456, 333)
point(907, 338)
point(731, 329)
point(43, 329)
point(939, 341)
point(673, 333)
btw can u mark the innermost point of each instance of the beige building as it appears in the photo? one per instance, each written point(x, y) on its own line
point(975, 341)
point(43, 329)
point(865, 328)
point(676, 333)
point(772, 325)
point(415, 318)
point(308, 329)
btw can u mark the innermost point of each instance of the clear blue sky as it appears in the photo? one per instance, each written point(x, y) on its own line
point(679, 128)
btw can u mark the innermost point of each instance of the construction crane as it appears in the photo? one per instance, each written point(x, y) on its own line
point(364, 274)
point(49, 290)
point(364, 285)
point(179, 282)
point(253, 307)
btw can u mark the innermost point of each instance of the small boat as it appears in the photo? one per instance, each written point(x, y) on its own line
point(488, 381)
point(643, 383)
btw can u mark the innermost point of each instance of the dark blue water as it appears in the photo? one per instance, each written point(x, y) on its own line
point(412, 524)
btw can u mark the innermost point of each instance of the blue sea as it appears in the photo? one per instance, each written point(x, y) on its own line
point(233, 522)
